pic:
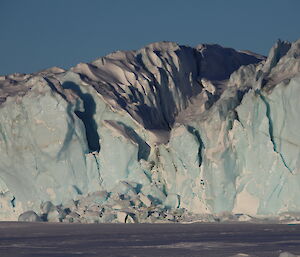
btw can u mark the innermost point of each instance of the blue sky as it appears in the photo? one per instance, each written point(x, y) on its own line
point(37, 34)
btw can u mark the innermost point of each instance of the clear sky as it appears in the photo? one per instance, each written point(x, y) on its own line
point(37, 34)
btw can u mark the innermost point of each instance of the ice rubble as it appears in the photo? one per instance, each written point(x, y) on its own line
point(162, 133)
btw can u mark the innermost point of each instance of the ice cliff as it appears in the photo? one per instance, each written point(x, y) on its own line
point(206, 129)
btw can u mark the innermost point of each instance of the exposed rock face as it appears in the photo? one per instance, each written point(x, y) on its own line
point(208, 129)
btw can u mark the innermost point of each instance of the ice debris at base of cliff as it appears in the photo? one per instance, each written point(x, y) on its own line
point(205, 131)
point(133, 207)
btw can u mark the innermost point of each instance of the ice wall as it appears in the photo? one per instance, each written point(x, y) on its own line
point(208, 129)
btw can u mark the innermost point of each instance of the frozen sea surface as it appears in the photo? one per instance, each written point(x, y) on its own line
point(64, 240)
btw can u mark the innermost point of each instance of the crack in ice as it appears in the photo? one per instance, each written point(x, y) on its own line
point(271, 133)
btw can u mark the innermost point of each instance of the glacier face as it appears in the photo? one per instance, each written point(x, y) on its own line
point(208, 129)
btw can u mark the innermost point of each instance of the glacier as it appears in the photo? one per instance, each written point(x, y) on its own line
point(205, 129)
